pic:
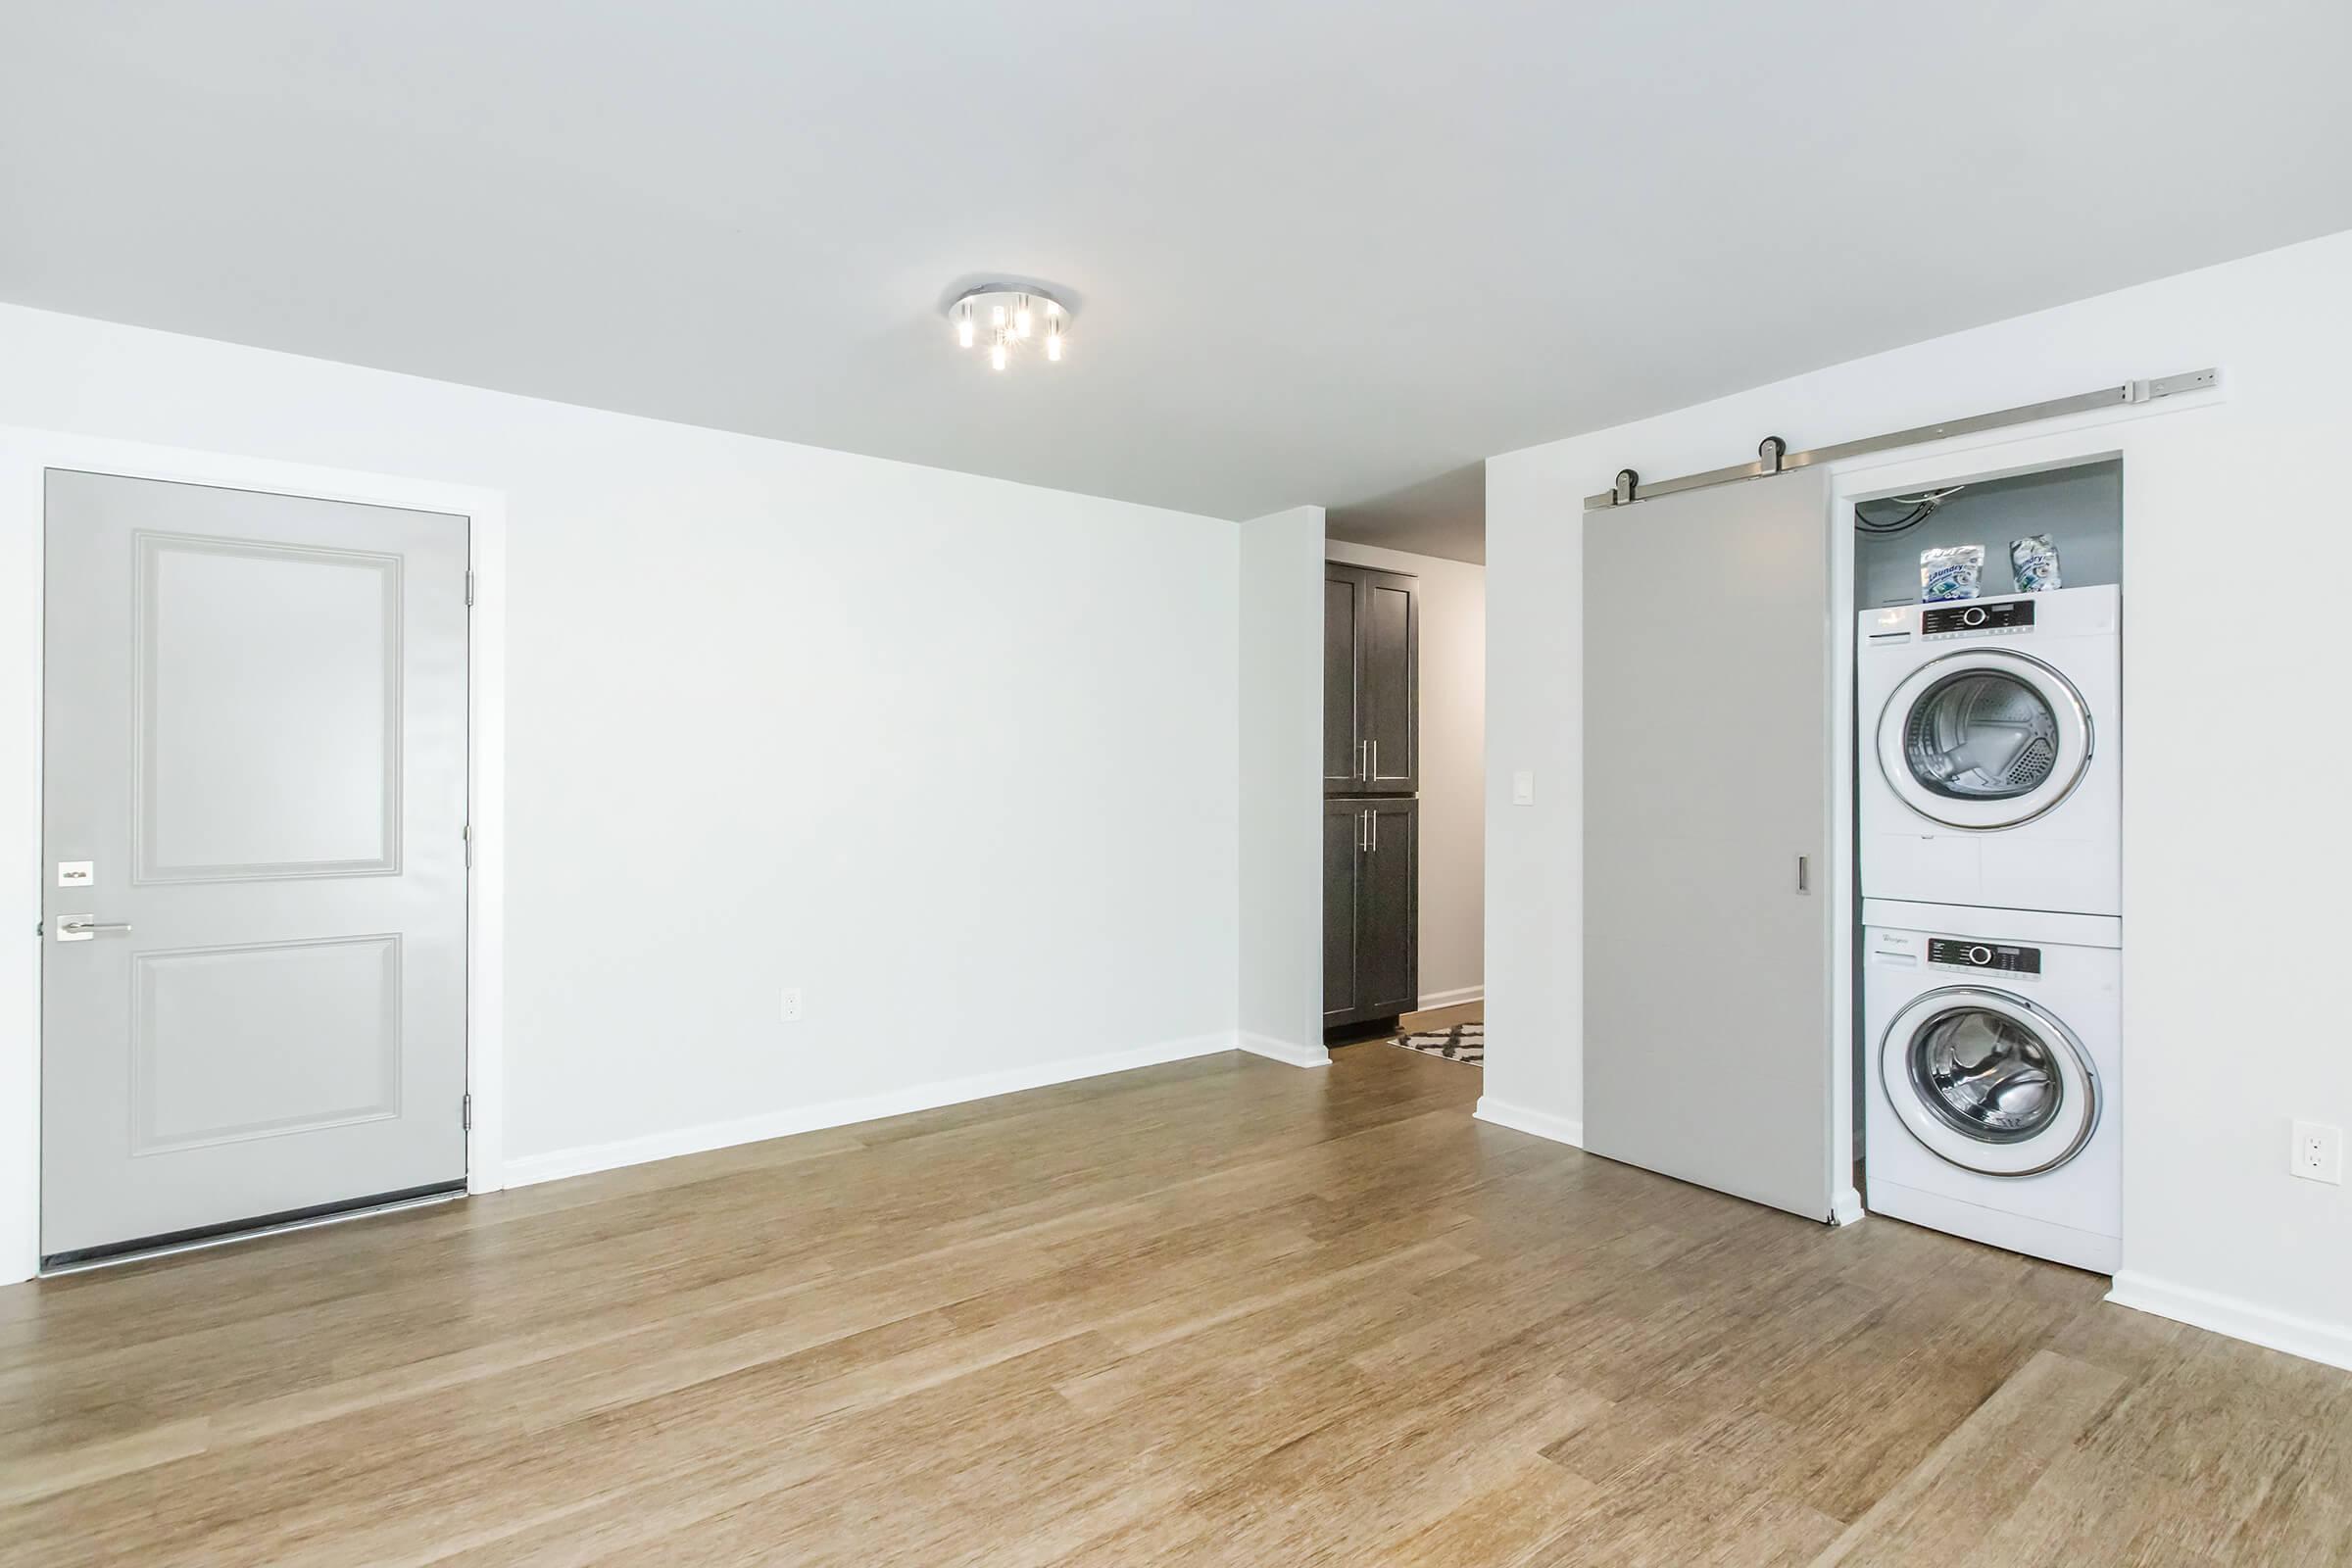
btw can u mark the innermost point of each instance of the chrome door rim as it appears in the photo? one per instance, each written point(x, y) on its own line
point(2024, 1156)
point(1991, 815)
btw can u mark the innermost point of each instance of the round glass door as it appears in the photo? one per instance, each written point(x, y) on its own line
point(1985, 739)
point(1990, 1082)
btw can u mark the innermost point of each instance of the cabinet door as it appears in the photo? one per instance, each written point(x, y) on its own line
point(1345, 832)
point(1342, 754)
point(1388, 689)
point(1387, 911)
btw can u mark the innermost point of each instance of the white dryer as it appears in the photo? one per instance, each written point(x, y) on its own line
point(1992, 1046)
point(1990, 770)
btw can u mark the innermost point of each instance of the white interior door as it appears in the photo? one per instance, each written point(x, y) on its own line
point(253, 816)
point(1708, 784)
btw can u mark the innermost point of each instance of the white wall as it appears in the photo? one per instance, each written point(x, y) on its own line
point(1280, 954)
point(956, 756)
point(2234, 766)
point(1454, 766)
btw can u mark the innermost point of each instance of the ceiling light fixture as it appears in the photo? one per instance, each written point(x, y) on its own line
point(1016, 317)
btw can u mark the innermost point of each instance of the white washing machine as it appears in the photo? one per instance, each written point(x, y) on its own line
point(1992, 1046)
point(1990, 771)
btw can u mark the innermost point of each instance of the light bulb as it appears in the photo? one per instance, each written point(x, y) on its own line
point(964, 327)
point(1020, 318)
point(1054, 346)
point(996, 354)
point(997, 314)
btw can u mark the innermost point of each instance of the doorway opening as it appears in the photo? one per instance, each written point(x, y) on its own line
point(1404, 803)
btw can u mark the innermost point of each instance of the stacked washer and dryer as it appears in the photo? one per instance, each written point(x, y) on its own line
point(1991, 824)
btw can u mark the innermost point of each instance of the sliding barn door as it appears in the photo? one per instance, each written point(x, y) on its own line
point(1707, 785)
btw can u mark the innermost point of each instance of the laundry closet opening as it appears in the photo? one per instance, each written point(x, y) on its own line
point(1987, 775)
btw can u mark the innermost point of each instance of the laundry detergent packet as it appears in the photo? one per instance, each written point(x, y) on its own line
point(1949, 572)
point(2035, 560)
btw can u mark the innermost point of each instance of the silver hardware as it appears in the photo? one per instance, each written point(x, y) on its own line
point(1363, 832)
point(465, 837)
point(77, 873)
point(1770, 452)
point(82, 928)
point(1805, 874)
point(1372, 773)
point(470, 590)
point(1363, 762)
point(465, 1112)
point(1373, 816)
point(1629, 487)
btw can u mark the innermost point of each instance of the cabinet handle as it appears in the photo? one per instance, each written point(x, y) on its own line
point(1804, 881)
point(1363, 832)
point(1373, 816)
point(1363, 762)
point(1372, 768)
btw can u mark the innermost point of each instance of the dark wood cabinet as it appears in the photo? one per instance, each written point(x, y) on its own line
point(1371, 908)
point(1371, 672)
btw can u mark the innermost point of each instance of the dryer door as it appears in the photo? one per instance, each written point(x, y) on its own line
point(1988, 738)
point(1990, 1082)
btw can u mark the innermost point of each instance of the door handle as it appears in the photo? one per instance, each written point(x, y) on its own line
point(82, 928)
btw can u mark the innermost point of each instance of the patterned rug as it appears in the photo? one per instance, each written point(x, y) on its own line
point(1464, 1041)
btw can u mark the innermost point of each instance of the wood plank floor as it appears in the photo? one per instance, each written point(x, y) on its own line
point(1223, 1311)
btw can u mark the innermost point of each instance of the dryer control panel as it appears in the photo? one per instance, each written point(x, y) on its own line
point(2009, 618)
point(1959, 953)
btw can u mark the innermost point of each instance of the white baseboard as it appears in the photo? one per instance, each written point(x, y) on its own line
point(2327, 1342)
point(1274, 1049)
point(559, 1163)
point(1559, 1129)
point(1846, 1208)
point(1429, 999)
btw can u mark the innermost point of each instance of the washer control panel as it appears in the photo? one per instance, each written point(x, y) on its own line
point(2011, 618)
point(1961, 953)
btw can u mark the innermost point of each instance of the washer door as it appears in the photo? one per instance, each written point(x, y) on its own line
point(1986, 738)
point(1990, 1082)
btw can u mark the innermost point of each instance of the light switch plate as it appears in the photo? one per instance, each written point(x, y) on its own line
point(77, 873)
point(792, 1004)
point(1523, 788)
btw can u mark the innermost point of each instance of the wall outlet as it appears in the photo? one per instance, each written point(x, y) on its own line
point(2318, 1154)
point(792, 1004)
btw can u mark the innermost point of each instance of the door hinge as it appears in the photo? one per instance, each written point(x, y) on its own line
point(465, 1112)
point(465, 836)
point(470, 590)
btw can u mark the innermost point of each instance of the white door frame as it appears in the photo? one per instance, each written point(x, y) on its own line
point(2132, 432)
point(24, 456)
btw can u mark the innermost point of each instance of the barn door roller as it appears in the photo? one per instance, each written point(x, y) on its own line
point(1774, 456)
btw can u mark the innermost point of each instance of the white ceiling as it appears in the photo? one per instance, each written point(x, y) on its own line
point(1322, 252)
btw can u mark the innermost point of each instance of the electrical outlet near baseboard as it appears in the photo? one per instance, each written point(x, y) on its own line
point(2318, 1152)
point(792, 1003)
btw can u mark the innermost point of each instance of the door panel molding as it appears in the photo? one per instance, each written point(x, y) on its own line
point(154, 666)
point(151, 1008)
point(26, 456)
